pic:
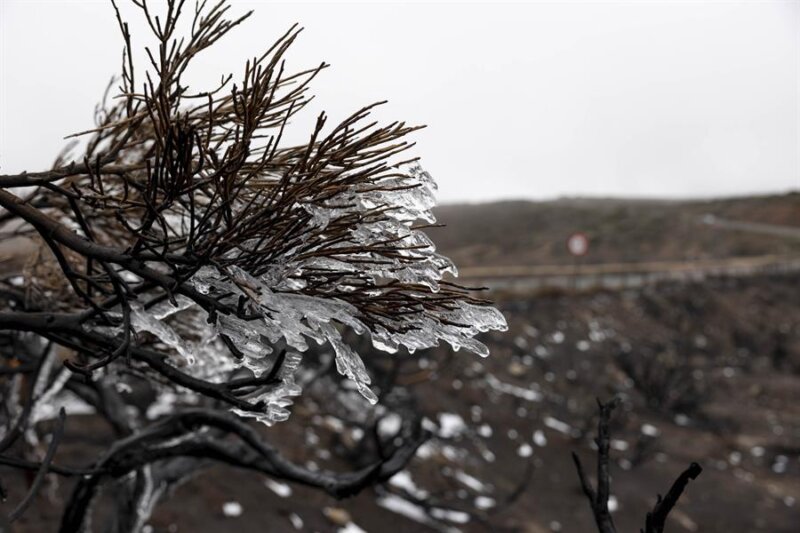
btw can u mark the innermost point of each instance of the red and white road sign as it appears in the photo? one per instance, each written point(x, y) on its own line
point(578, 244)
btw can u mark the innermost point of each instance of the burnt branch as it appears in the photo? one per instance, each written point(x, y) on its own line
point(656, 518)
point(598, 499)
point(55, 439)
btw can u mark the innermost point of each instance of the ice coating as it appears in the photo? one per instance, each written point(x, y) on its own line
point(294, 318)
point(383, 249)
point(277, 398)
point(152, 322)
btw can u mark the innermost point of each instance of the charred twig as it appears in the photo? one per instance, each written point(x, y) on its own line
point(598, 499)
point(43, 469)
point(656, 518)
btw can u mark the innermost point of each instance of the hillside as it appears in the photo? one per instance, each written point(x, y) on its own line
point(708, 371)
point(529, 233)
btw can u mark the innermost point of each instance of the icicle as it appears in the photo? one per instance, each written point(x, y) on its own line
point(143, 320)
point(277, 398)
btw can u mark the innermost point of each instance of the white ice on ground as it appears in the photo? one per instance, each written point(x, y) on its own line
point(450, 425)
point(613, 504)
point(398, 505)
point(619, 445)
point(513, 390)
point(403, 480)
point(389, 425)
point(451, 515)
point(72, 404)
point(232, 509)
point(281, 489)
point(650, 430)
point(525, 450)
point(471, 481)
point(351, 527)
point(296, 521)
point(484, 502)
point(558, 425)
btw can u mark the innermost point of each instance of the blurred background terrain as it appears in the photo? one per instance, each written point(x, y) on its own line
point(705, 357)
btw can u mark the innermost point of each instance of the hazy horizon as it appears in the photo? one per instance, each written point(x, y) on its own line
point(537, 100)
point(622, 198)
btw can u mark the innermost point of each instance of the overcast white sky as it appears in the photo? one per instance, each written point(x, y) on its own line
point(524, 100)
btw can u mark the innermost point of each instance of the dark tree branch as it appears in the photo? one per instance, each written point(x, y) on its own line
point(43, 469)
point(654, 523)
point(22, 421)
point(598, 500)
point(150, 445)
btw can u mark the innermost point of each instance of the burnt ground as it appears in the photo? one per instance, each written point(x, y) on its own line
point(707, 372)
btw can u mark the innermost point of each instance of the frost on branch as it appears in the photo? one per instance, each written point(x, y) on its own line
point(187, 259)
point(285, 314)
point(296, 318)
point(189, 227)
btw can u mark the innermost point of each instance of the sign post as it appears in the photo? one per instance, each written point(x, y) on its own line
point(577, 246)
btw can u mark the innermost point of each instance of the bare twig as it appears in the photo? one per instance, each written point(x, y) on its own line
point(656, 518)
point(598, 500)
point(43, 469)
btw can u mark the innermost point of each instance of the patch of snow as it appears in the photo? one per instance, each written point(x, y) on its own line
point(525, 450)
point(682, 420)
point(558, 425)
point(281, 489)
point(513, 390)
point(450, 515)
point(613, 503)
point(426, 450)
point(389, 425)
point(780, 464)
point(650, 430)
point(619, 445)
point(232, 509)
point(350, 527)
point(472, 482)
point(296, 521)
point(450, 425)
point(403, 480)
point(398, 505)
point(484, 502)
